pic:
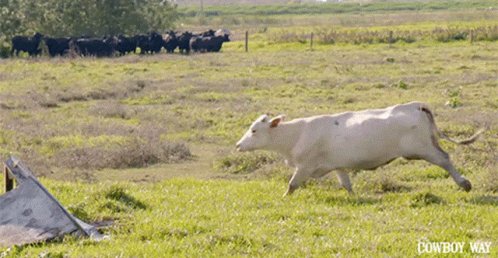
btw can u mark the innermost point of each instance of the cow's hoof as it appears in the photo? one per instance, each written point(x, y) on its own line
point(465, 184)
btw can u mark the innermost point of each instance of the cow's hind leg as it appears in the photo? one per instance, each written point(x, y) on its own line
point(442, 159)
point(344, 180)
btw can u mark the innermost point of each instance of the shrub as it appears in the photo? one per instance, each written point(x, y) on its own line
point(110, 110)
point(400, 84)
point(119, 194)
point(4, 49)
point(380, 183)
point(450, 34)
point(454, 100)
point(135, 153)
point(369, 36)
point(244, 163)
point(424, 199)
point(387, 184)
point(488, 180)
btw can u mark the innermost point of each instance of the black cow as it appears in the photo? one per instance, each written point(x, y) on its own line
point(57, 46)
point(184, 42)
point(95, 46)
point(27, 44)
point(195, 44)
point(141, 40)
point(208, 33)
point(208, 44)
point(150, 43)
point(170, 41)
point(126, 45)
point(224, 33)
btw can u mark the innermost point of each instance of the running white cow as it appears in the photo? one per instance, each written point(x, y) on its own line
point(353, 140)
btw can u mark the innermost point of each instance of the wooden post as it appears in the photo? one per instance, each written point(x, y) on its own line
point(247, 41)
point(390, 38)
point(311, 41)
point(9, 182)
point(471, 35)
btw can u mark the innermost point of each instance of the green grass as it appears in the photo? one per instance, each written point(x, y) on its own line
point(133, 121)
point(337, 8)
point(189, 217)
point(212, 98)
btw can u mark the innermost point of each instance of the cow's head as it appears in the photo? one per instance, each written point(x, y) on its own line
point(258, 135)
point(223, 33)
point(38, 36)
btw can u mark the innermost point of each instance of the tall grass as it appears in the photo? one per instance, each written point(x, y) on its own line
point(325, 35)
point(336, 8)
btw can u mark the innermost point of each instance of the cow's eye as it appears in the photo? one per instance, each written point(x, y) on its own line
point(253, 131)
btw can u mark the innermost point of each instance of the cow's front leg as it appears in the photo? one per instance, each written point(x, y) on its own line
point(299, 177)
point(344, 180)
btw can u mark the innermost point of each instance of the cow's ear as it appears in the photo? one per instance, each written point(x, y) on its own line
point(276, 120)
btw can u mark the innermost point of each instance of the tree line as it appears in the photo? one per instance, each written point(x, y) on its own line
point(83, 17)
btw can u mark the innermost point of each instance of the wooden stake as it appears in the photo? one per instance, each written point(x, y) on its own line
point(311, 41)
point(247, 41)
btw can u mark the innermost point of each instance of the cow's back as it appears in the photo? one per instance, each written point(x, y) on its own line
point(368, 138)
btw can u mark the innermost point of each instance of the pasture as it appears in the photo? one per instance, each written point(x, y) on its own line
point(148, 142)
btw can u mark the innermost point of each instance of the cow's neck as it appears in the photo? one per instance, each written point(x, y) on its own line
point(284, 137)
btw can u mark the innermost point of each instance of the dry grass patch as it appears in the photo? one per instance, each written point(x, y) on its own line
point(244, 163)
point(110, 109)
point(488, 180)
point(135, 153)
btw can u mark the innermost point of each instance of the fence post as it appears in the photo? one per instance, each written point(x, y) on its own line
point(311, 41)
point(471, 36)
point(390, 38)
point(9, 182)
point(247, 41)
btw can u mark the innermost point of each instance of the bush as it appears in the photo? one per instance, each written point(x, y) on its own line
point(368, 36)
point(488, 180)
point(449, 34)
point(110, 109)
point(380, 182)
point(245, 162)
point(386, 184)
point(424, 199)
point(4, 49)
point(85, 17)
point(400, 84)
point(135, 153)
point(454, 100)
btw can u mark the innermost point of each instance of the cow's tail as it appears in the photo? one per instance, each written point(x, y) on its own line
point(424, 108)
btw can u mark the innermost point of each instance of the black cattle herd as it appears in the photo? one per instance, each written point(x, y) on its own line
point(151, 43)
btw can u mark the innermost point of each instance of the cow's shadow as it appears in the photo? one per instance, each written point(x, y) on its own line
point(351, 200)
point(484, 200)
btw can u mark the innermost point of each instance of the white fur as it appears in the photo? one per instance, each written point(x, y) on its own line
point(351, 140)
point(222, 32)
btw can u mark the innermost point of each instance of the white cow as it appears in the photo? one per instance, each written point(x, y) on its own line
point(353, 140)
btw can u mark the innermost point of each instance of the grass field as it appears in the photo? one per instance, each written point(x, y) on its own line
point(147, 142)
